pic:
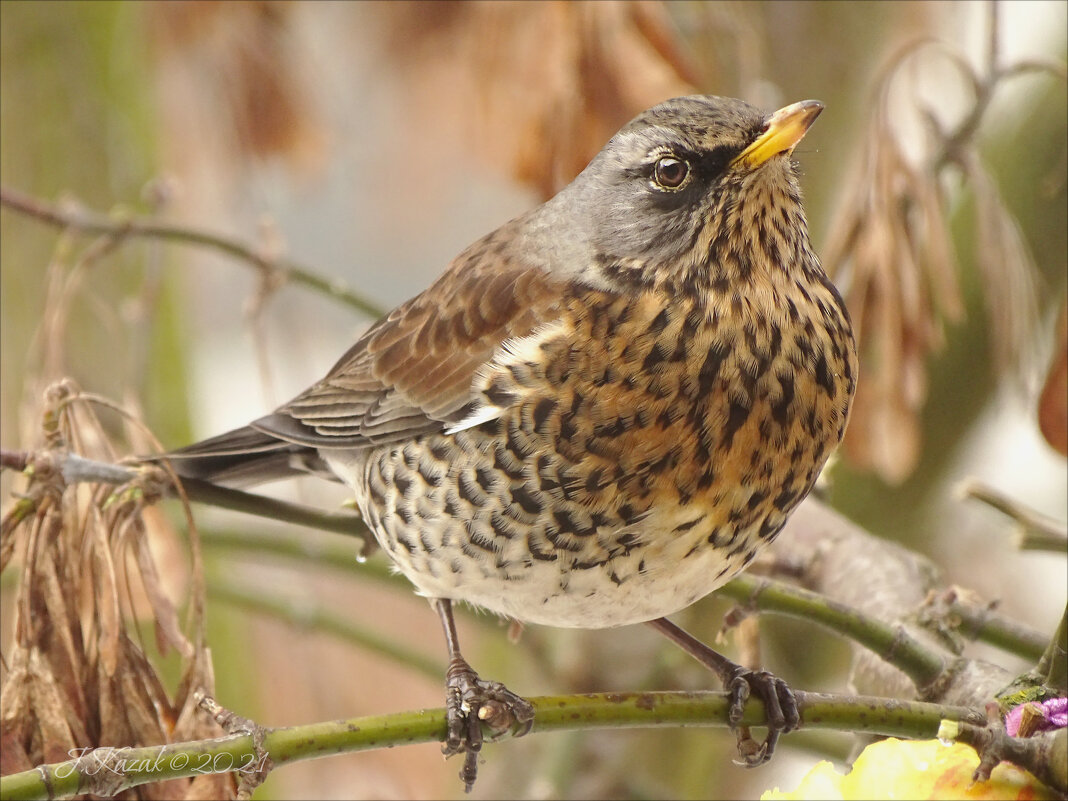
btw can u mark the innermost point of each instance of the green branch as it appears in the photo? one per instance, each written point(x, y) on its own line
point(332, 552)
point(320, 618)
point(1052, 668)
point(982, 623)
point(891, 643)
point(115, 770)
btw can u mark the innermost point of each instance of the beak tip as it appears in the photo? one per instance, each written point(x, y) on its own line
point(783, 130)
point(805, 109)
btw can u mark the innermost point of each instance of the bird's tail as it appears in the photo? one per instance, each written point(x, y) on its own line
point(242, 458)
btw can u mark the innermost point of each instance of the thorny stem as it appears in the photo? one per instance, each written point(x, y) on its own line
point(275, 270)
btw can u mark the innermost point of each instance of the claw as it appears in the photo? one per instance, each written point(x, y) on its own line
point(751, 752)
point(472, 701)
point(780, 707)
point(779, 702)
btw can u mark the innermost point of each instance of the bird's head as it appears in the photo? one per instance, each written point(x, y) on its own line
point(697, 191)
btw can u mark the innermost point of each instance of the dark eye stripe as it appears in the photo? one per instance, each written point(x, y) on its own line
point(716, 160)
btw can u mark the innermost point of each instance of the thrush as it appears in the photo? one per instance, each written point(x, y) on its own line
point(602, 410)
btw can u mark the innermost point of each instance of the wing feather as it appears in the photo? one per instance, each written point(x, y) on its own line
point(412, 372)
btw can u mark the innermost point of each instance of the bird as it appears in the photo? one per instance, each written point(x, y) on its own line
point(601, 411)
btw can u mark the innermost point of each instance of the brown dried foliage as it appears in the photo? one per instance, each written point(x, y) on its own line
point(891, 249)
point(243, 54)
point(1053, 402)
point(78, 674)
point(534, 89)
point(901, 284)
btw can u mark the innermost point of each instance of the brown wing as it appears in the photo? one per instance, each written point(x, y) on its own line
point(412, 372)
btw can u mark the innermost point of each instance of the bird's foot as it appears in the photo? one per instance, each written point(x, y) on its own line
point(780, 707)
point(472, 702)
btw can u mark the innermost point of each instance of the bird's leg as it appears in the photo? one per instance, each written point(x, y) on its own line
point(779, 701)
point(472, 701)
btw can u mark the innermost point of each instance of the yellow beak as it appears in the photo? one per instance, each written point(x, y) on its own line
point(786, 127)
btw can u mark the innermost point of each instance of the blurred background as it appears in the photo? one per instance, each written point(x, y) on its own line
point(371, 142)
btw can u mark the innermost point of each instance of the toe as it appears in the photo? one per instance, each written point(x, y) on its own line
point(739, 690)
point(770, 693)
point(469, 772)
point(788, 702)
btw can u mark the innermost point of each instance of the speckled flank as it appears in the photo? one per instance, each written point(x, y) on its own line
point(644, 451)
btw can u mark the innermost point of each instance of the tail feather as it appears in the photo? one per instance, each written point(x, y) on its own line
point(244, 457)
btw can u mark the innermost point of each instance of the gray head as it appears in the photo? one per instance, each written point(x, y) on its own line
point(695, 191)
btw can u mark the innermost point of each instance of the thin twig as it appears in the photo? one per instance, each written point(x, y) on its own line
point(81, 221)
point(274, 509)
point(317, 617)
point(76, 469)
point(14, 460)
point(308, 550)
point(984, 624)
point(1037, 532)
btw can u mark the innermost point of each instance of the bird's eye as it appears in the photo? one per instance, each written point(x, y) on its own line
point(670, 172)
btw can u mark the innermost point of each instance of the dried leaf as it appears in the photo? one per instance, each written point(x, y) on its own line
point(77, 678)
point(242, 54)
point(144, 699)
point(108, 617)
point(16, 719)
point(891, 249)
point(168, 627)
point(1053, 402)
point(111, 710)
point(13, 757)
point(1007, 271)
point(468, 68)
point(148, 685)
point(52, 730)
point(61, 639)
point(938, 251)
point(198, 674)
point(879, 254)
